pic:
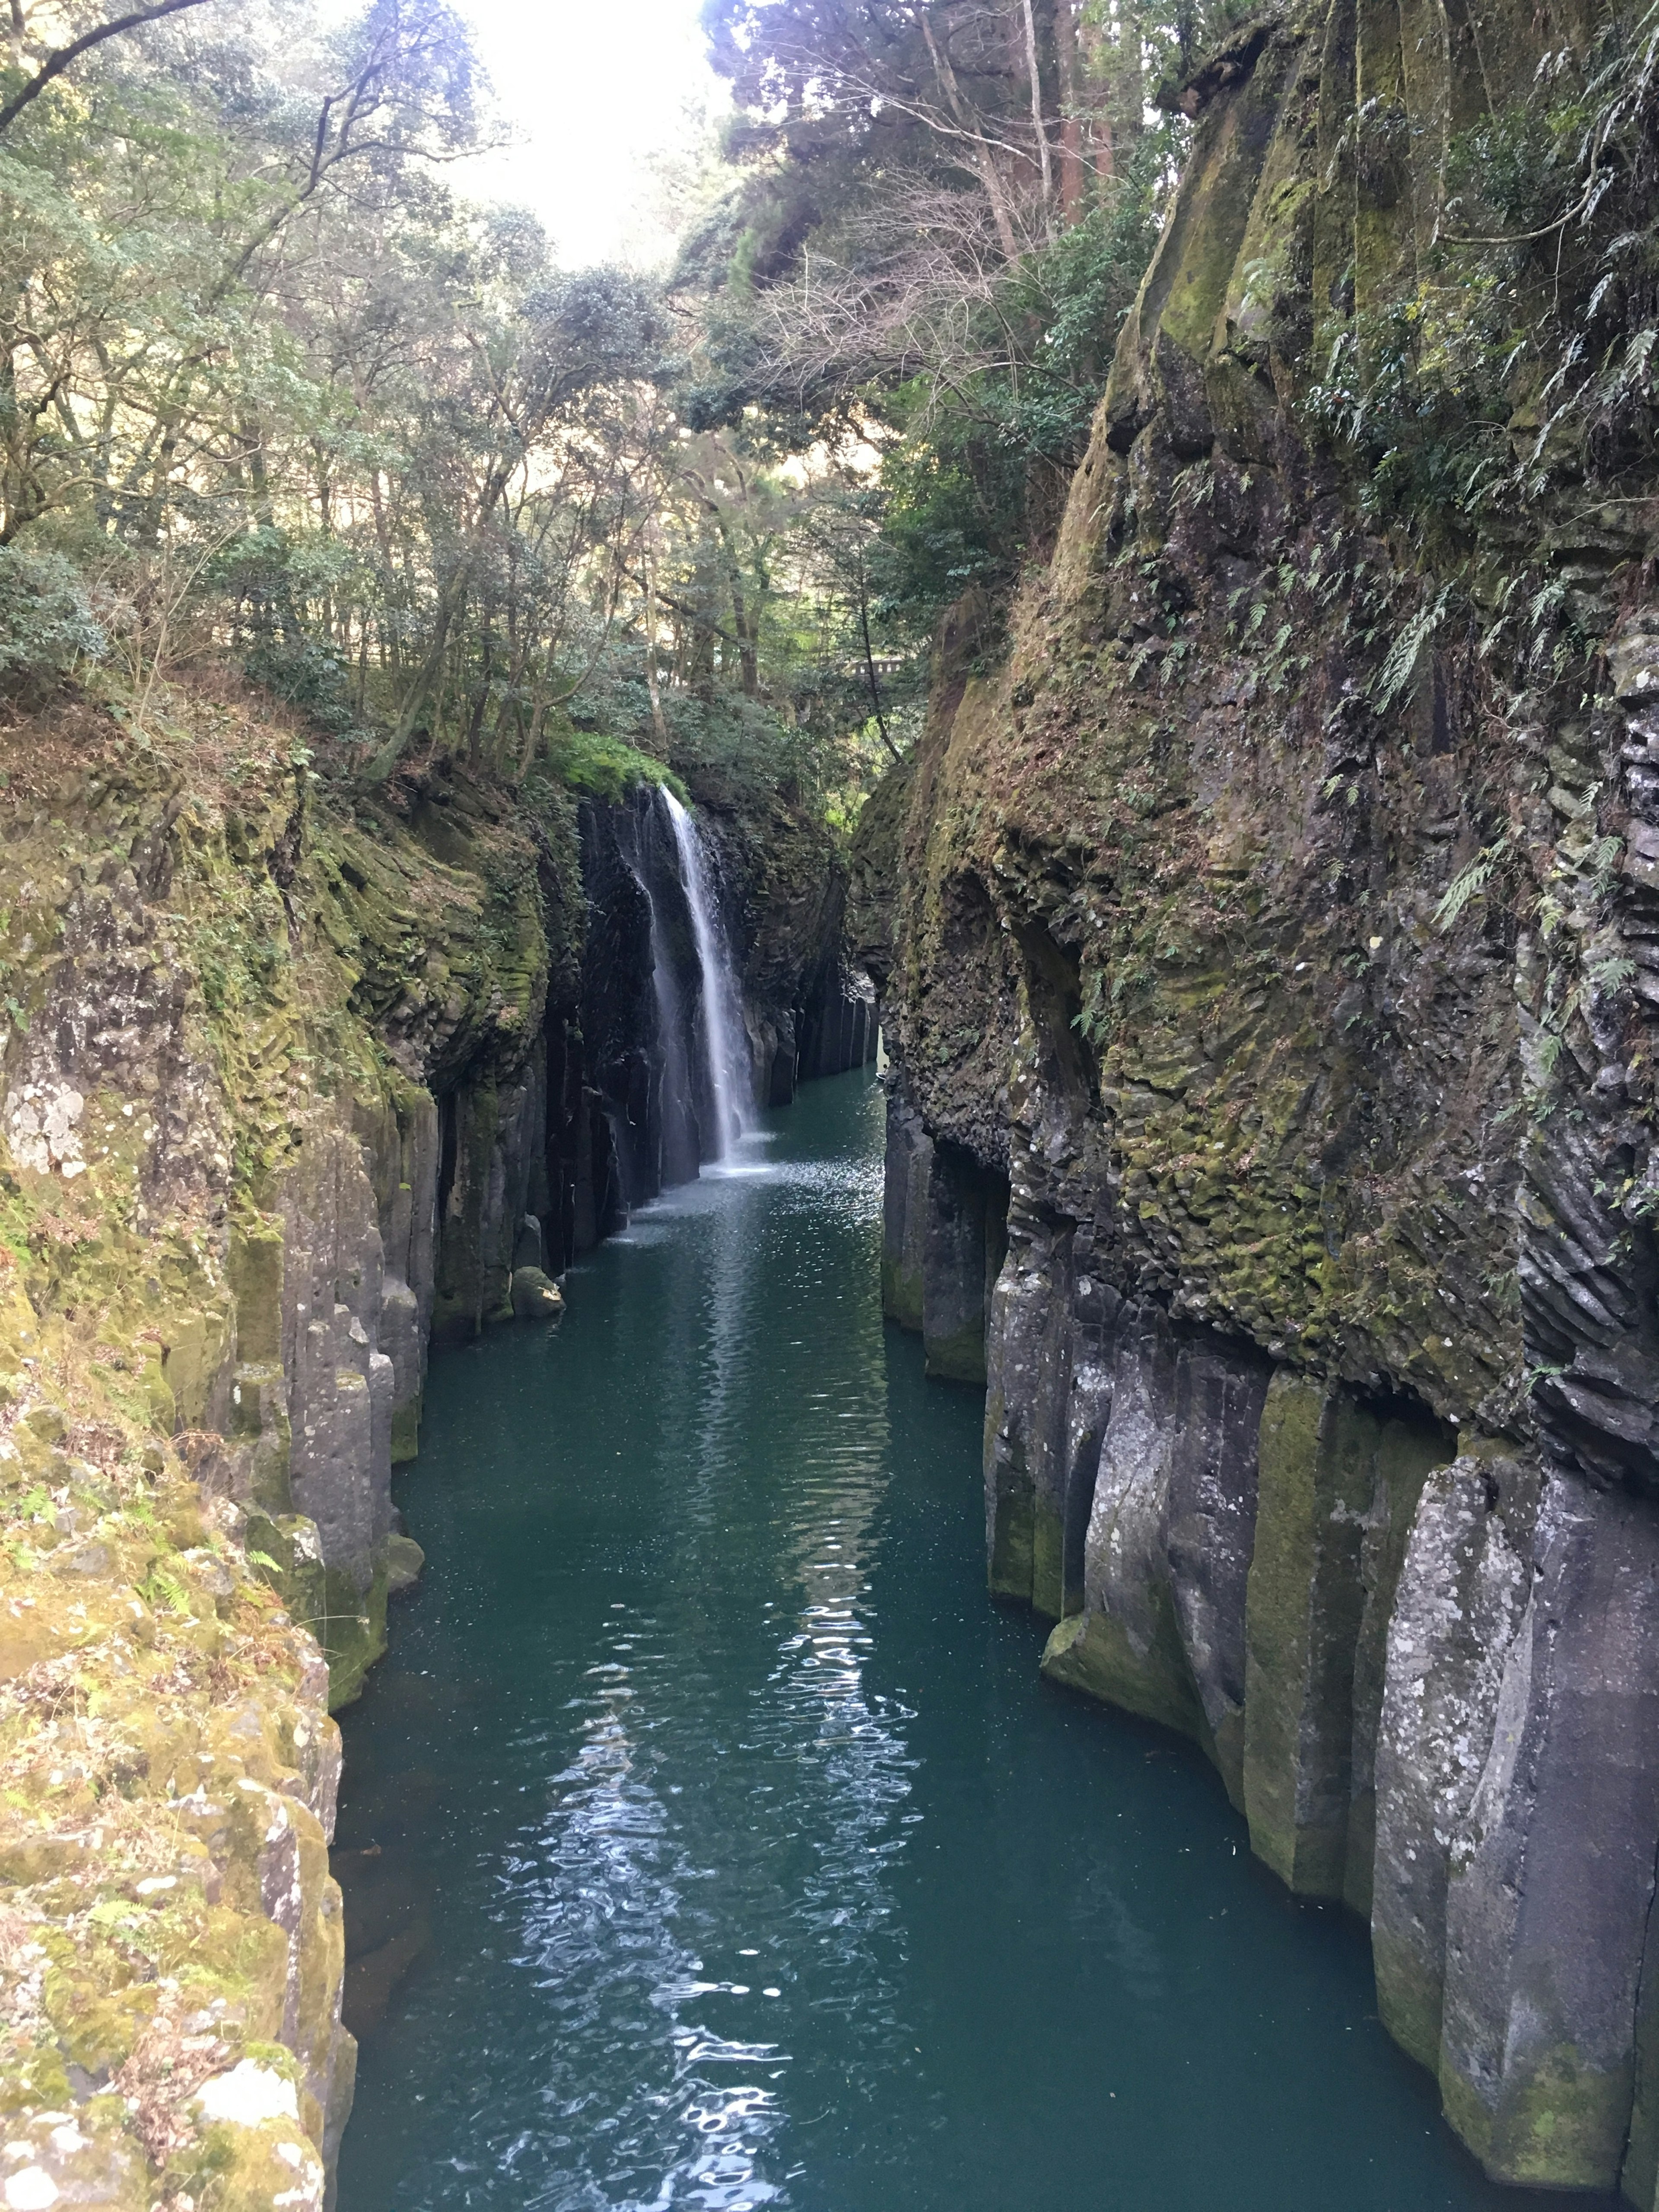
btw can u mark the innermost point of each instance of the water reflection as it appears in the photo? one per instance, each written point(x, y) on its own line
point(710, 1843)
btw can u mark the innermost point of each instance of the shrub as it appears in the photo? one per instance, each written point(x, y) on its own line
point(46, 622)
point(604, 767)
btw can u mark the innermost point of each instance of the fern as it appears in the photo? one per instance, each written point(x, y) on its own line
point(164, 1589)
point(1401, 664)
point(1469, 884)
point(1613, 973)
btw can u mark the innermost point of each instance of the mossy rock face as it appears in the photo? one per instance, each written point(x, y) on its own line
point(873, 874)
point(1047, 1594)
point(1012, 1542)
point(1143, 1520)
point(1544, 1937)
point(404, 1563)
point(352, 1630)
point(905, 1211)
point(1302, 1626)
point(237, 997)
point(1199, 938)
point(902, 1295)
point(406, 1431)
point(1095, 1655)
point(1565, 2130)
point(79, 2156)
point(536, 1296)
point(958, 1356)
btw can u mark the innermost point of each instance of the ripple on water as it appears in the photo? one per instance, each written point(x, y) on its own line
point(739, 1859)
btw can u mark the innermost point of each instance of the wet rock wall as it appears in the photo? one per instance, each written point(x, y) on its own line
point(293, 1085)
point(1283, 951)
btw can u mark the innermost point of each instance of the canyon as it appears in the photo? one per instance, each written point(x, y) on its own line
point(1263, 940)
point(1302, 1212)
point(454, 1041)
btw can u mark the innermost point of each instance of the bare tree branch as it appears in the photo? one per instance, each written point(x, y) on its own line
point(57, 62)
point(982, 160)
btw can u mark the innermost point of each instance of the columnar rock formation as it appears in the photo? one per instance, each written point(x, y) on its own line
point(1279, 965)
point(291, 1085)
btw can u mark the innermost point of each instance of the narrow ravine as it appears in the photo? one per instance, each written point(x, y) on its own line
point(708, 1839)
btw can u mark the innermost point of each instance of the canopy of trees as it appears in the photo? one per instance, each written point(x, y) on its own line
point(270, 389)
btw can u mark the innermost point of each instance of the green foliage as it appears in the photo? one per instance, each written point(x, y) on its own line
point(1523, 361)
point(1470, 883)
point(605, 767)
point(47, 622)
point(1399, 663)
point(278, 392)
point(310, 673)
point(898, 255)
point(964, 475)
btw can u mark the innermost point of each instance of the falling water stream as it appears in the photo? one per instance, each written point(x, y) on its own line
point(710, 1841)
point(720, 1025)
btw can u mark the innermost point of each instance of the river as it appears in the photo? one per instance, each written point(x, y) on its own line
point(709, 1840)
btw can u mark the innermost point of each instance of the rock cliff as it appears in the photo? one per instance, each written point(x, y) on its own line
point(1270, 983)
point(293, 1084)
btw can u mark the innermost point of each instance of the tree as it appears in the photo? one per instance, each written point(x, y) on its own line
point(63, 57)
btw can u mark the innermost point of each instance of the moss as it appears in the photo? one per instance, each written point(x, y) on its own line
point(237, 2169)
point(1563, 2127)
point(1226, 1748)
point(255, 1269)
point(607, 768)
point(1289, 1509)
point(155, 1652)
point(958, 1356)
point(351, 1629)
point(901, 1294)
point(35, 2080)
point(406, 1430)
point(1048, 1552)
point(1409, 1999)
point(1091, 1652)
point(1336, 1489)
point(97, 2020)
point(1010, 1552)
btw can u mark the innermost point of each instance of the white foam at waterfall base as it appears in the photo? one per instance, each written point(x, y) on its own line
point(722, 1030)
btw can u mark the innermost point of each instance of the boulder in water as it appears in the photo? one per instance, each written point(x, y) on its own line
point(536, 1296)
point(404, 1560)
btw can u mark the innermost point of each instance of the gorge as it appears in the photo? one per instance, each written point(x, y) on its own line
point(705, 1835)
point(430, 888)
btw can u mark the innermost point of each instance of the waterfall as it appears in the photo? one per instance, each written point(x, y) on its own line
point(722, 1030)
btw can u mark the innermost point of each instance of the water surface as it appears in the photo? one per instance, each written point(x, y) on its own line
point(710, 1841)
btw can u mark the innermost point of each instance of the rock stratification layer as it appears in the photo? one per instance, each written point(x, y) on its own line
point(1271, 964)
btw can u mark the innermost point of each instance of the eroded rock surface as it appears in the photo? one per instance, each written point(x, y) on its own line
point(293, 1084)
point(1285, 949)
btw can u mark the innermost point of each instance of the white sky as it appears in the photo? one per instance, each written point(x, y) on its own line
point(594, 88)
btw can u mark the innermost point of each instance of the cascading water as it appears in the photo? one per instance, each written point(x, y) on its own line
point(677, 1160)
point(722, 1029)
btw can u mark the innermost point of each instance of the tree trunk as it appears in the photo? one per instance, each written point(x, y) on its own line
point(653, 684)
point(1094, 54)
point(1070, 114)
point(449, 607)
point(1039, 127)
point(1129, 83)
point(968, 124)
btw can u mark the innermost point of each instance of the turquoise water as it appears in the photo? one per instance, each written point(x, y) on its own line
point(710, 1841)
